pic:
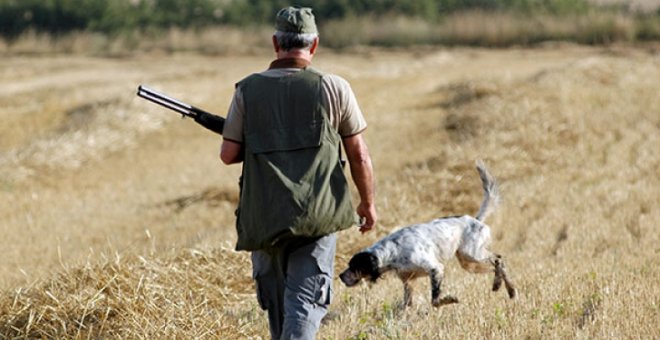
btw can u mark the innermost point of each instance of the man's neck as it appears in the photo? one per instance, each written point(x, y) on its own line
point(295, 54)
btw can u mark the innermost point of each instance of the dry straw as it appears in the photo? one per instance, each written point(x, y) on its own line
point(571, 133)
point(137, 297)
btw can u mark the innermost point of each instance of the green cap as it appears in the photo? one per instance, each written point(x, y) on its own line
point(296, 20)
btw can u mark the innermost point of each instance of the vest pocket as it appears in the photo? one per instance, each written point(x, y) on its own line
point(285, 139)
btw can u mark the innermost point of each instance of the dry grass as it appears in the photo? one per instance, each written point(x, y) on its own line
point(492, 29)
point(209, 41)
point(506, 29)
point(117, 218)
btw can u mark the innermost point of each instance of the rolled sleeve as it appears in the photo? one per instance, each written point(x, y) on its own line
point(233, 129)
point(344, 111)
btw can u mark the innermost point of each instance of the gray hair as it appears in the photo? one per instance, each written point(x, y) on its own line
point(289, 40)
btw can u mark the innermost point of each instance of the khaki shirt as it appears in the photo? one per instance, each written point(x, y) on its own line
point(337, 98)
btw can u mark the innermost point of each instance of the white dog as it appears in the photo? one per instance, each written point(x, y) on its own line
point(421, 249)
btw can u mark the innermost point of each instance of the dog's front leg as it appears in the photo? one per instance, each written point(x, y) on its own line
point(407, 294)
point(407, 288)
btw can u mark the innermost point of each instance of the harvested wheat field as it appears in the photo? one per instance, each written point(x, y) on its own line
point(117, 217)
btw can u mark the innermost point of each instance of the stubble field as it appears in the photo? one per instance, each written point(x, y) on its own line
point(117, 217)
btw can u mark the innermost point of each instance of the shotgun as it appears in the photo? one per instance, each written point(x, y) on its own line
point(208, 120)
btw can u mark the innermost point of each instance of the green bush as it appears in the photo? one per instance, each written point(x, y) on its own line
point(59, 16)
point(648, 27)
point(415, 23)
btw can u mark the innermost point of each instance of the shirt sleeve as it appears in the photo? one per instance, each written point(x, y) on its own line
point(344, 111)
point(233, 129)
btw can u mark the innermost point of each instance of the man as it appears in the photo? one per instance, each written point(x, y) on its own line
point(286, 125)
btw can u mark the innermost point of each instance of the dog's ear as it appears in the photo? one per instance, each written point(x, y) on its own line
point(374, 270)
point(367, 264)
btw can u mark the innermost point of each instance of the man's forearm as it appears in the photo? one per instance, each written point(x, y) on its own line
point(361, 167)
point(231, 152)
point(363, 176)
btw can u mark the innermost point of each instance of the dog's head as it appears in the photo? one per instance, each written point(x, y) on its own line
point(363, 265)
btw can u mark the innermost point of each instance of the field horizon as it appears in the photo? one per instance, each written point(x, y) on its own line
point(118, 217)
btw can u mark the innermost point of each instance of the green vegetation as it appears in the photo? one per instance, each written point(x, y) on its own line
point(61, 16)
point(345, 22)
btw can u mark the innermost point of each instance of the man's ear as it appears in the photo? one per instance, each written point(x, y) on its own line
point(276, 46)
point(315, 44)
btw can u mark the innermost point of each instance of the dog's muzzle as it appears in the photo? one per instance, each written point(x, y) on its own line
point(349, 278)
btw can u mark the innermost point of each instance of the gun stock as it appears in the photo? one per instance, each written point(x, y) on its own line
point(208, 120)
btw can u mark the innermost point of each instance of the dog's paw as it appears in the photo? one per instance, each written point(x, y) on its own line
point(512, 292)
point(447, 300)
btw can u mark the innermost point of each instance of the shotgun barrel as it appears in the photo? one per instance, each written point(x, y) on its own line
point(208, 120)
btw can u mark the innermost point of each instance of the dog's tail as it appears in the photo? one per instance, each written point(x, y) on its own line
point(491, 195)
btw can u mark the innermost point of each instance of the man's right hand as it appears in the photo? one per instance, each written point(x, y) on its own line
point(368, 216)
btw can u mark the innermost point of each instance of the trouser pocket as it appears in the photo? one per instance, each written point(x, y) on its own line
point(324, 291)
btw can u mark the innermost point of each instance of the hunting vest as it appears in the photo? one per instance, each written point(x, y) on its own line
point(292, 183)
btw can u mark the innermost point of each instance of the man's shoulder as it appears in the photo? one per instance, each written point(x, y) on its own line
point(246, 79)
point(335, 82)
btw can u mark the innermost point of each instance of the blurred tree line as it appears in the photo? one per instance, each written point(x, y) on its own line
point(116, 16)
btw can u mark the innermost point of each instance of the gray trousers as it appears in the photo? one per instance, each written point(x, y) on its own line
point(294, 284)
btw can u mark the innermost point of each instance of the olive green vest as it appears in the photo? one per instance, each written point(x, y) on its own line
point(293, 183)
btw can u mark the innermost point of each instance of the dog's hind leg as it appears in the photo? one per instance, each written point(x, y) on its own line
point(501, 275)
point(473, 265)
point(497, 280)
point(490, 262)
